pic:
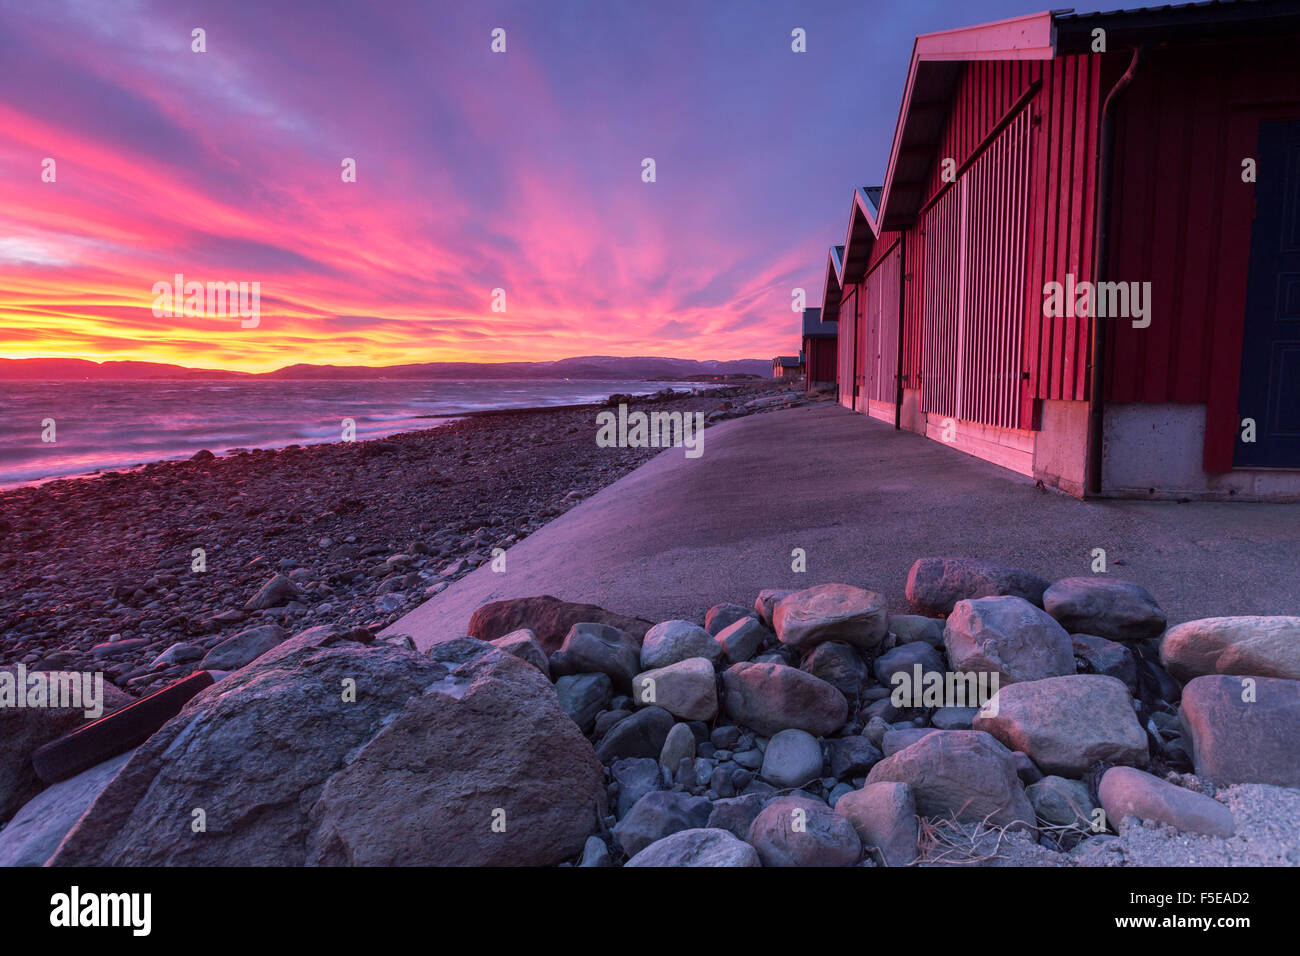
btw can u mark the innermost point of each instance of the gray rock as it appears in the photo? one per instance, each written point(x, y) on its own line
point(884, 816)
point(1009, 637)
point(831, 612)
point(905, 659)
point(244, 648)
point(292, 771)
point(1110, 658)
point(524, 645)
point(657, 815)
point(671, 641)
point(953, 718)
point(772, 697)
point(595, 853)
point(909, 628)
point(1255, 646)
point(274, 593)
point(966, 774)
point(636, 777)
point(598, 648)
point(902, 738)
point(765, 604)
point(177, 654)
point(606, 721)
point(721, 616)
point(686, 689)
point(740, 641)
point(725, 737)
point(1061, 802)
point(37, 829)
point(1236, 740)
point(735, 814)
point(792, 759)
point(797, 831)
point(698, 847)
point(1067, 724)
point(641, 735)
point(583, 696)
point(839, 665)
point(1107, 607)
point(679, 746)
point(851, 757)
point(936, 585)
point(1126, 792)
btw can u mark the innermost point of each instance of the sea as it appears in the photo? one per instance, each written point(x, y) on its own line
point(102, 426)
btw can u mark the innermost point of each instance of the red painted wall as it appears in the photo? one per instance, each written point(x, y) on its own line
point(1182, 219)
point(819, 359)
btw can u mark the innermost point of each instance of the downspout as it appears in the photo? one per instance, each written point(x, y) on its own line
point(898, 375)
point(1101, 263)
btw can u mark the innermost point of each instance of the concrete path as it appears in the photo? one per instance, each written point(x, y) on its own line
point(679, 535)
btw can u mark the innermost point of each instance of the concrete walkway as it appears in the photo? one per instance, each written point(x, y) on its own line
point(679, 535)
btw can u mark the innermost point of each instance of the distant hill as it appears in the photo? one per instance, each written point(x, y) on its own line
point(589, 367)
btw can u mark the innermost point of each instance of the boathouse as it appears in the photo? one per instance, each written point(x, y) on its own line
point(1083, 262)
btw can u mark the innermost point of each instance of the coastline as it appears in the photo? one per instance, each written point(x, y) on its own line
point(364, 530)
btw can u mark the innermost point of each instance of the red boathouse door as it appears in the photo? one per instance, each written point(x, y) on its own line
point(1270, 358)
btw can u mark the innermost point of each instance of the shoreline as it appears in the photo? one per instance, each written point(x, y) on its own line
point(441, 419)
point(355, 534)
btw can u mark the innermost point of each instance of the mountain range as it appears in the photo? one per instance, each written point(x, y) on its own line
point(589, 367)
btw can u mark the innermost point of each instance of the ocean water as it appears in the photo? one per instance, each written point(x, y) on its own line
point(115, 425)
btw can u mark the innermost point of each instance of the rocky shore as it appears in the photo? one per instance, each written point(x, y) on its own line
point(787, 733)
point(100, 573)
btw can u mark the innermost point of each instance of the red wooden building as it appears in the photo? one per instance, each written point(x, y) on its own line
point(1084, 262)
point(818, 350)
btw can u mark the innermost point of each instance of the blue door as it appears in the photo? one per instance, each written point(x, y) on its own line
point(1270, 358)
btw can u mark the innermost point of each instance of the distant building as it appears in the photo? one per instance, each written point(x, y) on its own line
point(818, 349)
point(787, 366)
point(1084, 261)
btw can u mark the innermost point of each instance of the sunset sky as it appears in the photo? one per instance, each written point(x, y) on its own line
point(475, 170)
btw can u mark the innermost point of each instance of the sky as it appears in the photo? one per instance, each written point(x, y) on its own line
point(476, 171)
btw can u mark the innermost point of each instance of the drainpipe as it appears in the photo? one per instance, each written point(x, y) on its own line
point(1101, 263)
point(898, 375)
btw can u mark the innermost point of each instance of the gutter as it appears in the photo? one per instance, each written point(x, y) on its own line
point(1101, 263)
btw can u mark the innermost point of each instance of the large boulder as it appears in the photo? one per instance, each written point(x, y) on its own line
point(773, 697)
point(686, 689)
point(275, 592)
point(1067, 724)
point(1126, 792)
point(326, 751)
point(831, 612)
point(935, 585)
point(1243, 729)
point(740, 641)
point(906, 659)
point(36, 830)
point(671, 641)
point(798, 831)
point(598, 648)
point(766, 602)
point(884, 815)
point(1009, 637)
point(697, 847)
point(1107, 607)
point(25, 729)
point(243, 648)
point(965, 774)
point(721, 616)
point(1256, 646)
point(548, 618)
